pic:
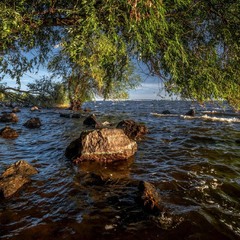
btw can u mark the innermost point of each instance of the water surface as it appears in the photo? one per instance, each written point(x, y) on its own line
point(194, 162)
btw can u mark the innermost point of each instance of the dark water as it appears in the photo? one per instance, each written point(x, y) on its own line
point(193, 162)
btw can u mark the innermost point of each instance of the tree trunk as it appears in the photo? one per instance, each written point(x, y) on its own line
point(75, 105)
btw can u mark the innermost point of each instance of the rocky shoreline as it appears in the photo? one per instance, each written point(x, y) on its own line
point(101, 143)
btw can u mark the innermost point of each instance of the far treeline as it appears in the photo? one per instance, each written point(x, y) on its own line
point(92, 46)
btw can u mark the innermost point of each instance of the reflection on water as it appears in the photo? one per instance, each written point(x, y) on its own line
point(193, 162)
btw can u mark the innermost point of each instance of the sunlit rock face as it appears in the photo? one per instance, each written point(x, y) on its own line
point(15, 176)
point(103, 145)
point(8, 132)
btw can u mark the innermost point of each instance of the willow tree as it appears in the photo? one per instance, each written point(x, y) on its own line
point(101, 70)
point(192, 45)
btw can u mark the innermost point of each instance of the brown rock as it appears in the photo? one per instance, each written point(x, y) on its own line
point(33, 123)
point(132, 129)
point(15, 177)
point(12, 184)
point(9, 117)
point(149, 197)
point(103, 145)
point(91, 121)
point(20, 168)
point(8, 132)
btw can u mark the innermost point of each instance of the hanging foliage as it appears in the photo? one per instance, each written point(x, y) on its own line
point(193, 46)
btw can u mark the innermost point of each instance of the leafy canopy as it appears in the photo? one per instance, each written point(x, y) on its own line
point(192, 45)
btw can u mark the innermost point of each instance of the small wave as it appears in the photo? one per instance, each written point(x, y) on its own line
point(213, 119)
point(203, 117)
point(213, 112)
point(206, 117)
point(164, 115)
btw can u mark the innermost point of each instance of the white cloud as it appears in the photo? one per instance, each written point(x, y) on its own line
point(149, 91)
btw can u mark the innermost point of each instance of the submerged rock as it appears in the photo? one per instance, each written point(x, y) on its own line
point(33, 123)
point(167, 220)
point(151, 202)
point(66, 115)
point(132, 129)
point(103, 145)
point(9, 117)
point(15, 177)
point(149, 197)
point(70, 115)
point(114, 171)
point(76, 115)
point(93, 179)
point(8, 132)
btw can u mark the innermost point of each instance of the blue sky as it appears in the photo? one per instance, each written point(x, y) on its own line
point(150, 88)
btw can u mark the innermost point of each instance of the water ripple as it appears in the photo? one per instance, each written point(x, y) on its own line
point(193, 162)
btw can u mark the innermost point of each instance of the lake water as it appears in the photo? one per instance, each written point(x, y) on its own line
point(194, 162)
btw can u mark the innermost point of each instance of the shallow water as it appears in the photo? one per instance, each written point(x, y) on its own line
point(194, 162)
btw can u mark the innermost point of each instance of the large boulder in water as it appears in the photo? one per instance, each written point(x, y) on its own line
point(9, 117)
point(132, 129)
point(103, 145)
point(15, 177)
point(8, 132)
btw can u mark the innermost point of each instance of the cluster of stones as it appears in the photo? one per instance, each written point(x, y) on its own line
point(106, 144)
point(102, 143)
point(11, 117)
point(18, 173)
